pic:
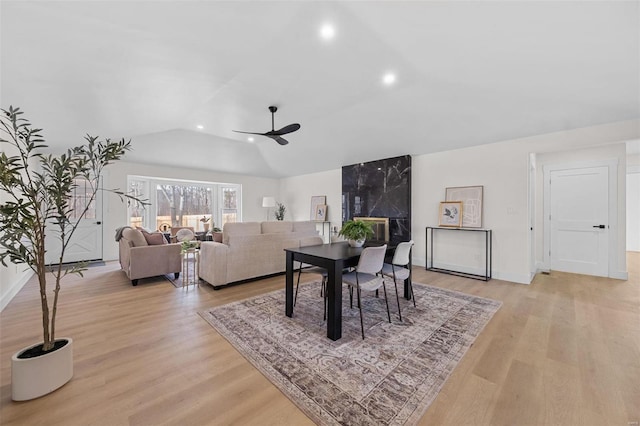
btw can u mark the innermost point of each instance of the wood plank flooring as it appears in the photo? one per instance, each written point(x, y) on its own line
point(564, 350)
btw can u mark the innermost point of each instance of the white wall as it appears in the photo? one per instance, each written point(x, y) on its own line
point(502, 168)
point(296, 193)
point(12, 277)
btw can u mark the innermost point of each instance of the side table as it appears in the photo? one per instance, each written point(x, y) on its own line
point(190, 259)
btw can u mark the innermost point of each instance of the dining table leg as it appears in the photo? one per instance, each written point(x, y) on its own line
point(289, 285)
point(334, 300)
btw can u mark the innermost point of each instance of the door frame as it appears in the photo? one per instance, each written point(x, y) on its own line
point(531, 216)
point(612, 167)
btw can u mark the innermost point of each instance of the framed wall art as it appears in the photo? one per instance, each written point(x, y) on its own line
point(450, 214)
point(471, 197)
point(316, 201)
point(321, 212)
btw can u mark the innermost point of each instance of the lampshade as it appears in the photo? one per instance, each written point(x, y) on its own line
point(268, 202)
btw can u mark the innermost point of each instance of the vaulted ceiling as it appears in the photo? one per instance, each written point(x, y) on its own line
point(467, 73)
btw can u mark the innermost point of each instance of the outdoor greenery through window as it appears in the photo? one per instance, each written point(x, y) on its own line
point(198, 205)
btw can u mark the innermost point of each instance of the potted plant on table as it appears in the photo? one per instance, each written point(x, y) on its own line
point(356, 232)
point(205, 223)
point(279, 213)
point(38, 190)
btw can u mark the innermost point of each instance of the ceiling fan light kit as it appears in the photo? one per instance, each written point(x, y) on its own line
point(274, 134)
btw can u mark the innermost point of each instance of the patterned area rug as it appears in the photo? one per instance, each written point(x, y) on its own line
point(391, 377)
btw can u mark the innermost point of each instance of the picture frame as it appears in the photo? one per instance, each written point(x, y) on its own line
point(316, 200)
point(321, 212)
point(471, 197)
point(450, 214)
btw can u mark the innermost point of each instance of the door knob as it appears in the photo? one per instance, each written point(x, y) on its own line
point(599, 226)
point(100, 223)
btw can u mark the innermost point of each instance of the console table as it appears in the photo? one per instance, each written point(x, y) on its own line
point(487, 253)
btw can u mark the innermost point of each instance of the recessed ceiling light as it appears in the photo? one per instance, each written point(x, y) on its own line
point(250, 139)
point(200, 127)
point(389, 78)
point(327, 31)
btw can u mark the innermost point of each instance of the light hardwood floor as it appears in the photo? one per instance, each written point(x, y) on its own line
point(564, 350)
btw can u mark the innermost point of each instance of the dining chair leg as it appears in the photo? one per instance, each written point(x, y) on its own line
point(360, 307)
point(395, 283)
point(386, 300)
point(351, 297)
point(295, 297)
point(413, 296)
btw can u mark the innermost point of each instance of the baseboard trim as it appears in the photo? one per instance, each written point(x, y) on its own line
point(15, 288)
point(525, 278)
point(619, 275)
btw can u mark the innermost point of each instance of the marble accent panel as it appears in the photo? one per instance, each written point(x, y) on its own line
point(380, 188)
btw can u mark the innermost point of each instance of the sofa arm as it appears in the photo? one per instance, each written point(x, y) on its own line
point(213, 262)
point(149, 261)
point(124, 247)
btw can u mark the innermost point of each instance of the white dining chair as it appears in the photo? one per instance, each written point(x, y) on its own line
point(366, 276)
point(398, 269)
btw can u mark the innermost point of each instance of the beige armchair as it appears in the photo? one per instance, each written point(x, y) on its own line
point(139, 259)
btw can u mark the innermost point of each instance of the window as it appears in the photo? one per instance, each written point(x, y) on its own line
point(138, 215)
point(81, 200)
point(183, 203)
point(229, 205)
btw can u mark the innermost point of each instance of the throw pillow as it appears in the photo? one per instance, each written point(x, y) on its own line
point(154, 238)
point(135, 237)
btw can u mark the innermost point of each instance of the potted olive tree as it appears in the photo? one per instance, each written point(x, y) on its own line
point(38, 191)
point(356, 232)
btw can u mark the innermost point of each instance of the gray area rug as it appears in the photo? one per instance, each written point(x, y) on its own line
point(391, 377)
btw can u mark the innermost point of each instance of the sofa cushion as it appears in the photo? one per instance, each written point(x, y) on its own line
point(136, 237)
point(278, 227)
point(239, 229)
point(154, 238)
point(307, 226)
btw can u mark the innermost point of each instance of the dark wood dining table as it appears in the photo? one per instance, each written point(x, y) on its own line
point(334, 258)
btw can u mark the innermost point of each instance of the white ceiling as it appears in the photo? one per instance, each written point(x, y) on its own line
point(468, 73)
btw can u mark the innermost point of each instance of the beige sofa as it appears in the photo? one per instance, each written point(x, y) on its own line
point(139, 259)
point(251, 250)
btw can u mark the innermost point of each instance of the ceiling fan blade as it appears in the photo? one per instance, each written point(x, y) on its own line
point(278, 139)
point(286, 129)
point(273, 133)
point(250, 133)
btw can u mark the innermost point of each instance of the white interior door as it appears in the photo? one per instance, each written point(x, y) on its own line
point(579, 220)
point(86, 243)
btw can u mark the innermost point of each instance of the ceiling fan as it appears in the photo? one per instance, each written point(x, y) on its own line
point(274, 134)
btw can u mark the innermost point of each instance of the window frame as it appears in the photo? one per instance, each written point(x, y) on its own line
point(151, 183)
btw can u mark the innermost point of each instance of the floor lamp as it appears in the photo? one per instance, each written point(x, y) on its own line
point(268, 202)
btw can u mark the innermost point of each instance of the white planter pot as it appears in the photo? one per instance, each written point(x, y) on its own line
point(356, 243)
point(34, 377)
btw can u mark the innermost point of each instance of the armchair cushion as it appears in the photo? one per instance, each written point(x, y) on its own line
point(136, 237)
point(154, 238)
